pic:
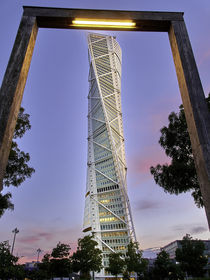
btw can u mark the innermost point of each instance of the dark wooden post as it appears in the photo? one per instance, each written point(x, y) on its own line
point(196, 111)
point(13, 85)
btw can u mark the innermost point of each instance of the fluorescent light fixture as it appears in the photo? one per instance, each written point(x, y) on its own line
point(103, 23)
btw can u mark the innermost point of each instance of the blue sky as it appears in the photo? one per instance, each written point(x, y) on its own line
point(49, 206)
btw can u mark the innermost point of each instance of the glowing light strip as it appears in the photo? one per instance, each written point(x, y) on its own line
point(104, 23)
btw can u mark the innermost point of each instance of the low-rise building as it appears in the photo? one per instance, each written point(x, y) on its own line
point(31, 265)
point(171, 248)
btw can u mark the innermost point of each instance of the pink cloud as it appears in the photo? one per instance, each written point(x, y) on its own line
point(46, 235)
point(29, 239)
point(159, 117)
point(158, 121)
point(141, 165)
point(151, 156)
point(36, 237)
point(204, 56)
point(147, 205)
point(32, 239)
point(24, 260)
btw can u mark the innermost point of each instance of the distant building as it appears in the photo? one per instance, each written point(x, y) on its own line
point(31, 265)
point(171, 248)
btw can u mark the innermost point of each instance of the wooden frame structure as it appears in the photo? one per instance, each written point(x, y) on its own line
point(196, 111)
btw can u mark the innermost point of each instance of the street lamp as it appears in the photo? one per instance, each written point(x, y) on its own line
point(38, 252)
point(15, 231)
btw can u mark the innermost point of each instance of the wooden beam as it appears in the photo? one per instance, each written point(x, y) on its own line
point(62, 18)
point(195, 107)
point(13, 84)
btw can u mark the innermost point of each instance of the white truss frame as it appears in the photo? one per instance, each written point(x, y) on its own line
point(119, 163)
point(116, 156)
point(108, 210)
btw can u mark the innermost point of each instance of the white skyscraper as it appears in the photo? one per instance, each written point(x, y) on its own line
point(107, 209)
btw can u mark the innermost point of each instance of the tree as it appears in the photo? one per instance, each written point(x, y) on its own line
point(17, 169)
point(162, 265)
point(164, 268)
point(116, 264)
point(180, 175)
point(56, 264)
point(134, 261)
point(8, 263)
point(36, 274)
point(5, 203)
point(88, 257)
point(191, 256)
point(61, 251)
point(44, 268)
point(60, 260)
point(19, 272)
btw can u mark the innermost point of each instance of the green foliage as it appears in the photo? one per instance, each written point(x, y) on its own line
point(18, 272)
point(164, 268)
point(56, 264)
point(60, 262)
point(203, 278)
point(130, 264)
point(87, 257)
point(126, 275)
point(180, 175)
point(191, 256)
point(134, 261)
point(22, 124)
point(5, 203)
point(61, 251)
point(116, 264)
point(60, 267)
point(44, 268)
point(162, 265)
point(17, 169)
point(37, 274)
point(8, 263)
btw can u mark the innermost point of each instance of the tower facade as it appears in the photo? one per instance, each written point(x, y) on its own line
point(107, 209)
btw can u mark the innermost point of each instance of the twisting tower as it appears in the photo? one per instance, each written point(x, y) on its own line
point(107, 209)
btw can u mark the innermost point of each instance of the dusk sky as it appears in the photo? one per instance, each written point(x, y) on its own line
point(49, 207)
